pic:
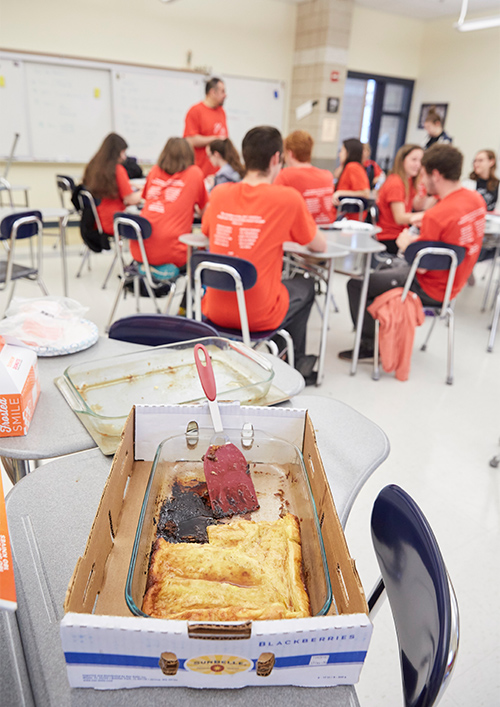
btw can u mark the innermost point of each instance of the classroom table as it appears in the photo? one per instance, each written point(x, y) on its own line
point(305, 255)
point(14, 187)
point(50, 514)
point(49, 215)
point(55, 430)
point(363, 244)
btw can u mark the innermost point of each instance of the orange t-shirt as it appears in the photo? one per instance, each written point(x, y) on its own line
point(169, 207)
point(391, 191)
point(315, 185)
point(353, 178)
point(459, 219)
point(109, 207)
point(202, 120)
point(253, 222)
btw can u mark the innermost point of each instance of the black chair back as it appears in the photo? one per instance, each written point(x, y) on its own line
point(220, 280)
point(127, 231)
point(434, 262)
point(159, 329)
point(65, 183)
point(418, 589)
point(26, 230)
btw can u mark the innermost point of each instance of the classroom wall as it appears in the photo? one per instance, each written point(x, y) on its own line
point(385, 44)
point(463, 70)
point(458, 68)
point(246, 38)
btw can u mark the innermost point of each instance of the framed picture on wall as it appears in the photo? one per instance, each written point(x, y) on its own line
point(440, 108)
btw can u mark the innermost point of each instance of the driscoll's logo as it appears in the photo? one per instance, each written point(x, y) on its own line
point(218, 664)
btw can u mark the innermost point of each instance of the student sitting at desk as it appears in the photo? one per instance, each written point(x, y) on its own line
point(224, 156)
point(106, 179)
point(353, 180)
point(173, 187)
point(457, 218)
point(315, 185)
point(252, 220)
point(397, 196)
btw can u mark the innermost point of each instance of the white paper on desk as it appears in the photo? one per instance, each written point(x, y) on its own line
point(329, 130)
point(304, 110)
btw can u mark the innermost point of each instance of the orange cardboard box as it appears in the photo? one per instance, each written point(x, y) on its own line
point(19, 388)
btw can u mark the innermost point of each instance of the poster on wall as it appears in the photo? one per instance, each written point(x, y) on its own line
point(440, 108)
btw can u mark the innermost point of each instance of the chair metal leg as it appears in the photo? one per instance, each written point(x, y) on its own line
point(110, 271)
point(171, 293)
point(376, 366)
point(42, 286)
point(494, 324)
point(451, 345)
point(289, 346)
point(431, 328)
point(137, 294)
point(115, 304)
point(85, 259)
point(9, 297)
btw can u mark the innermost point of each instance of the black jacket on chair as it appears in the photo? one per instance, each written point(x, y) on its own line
point(90, 235)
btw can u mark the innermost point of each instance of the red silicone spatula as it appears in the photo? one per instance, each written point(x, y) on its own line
point(230, 486)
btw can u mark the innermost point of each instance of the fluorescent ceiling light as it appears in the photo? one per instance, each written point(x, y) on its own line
point(472, 25)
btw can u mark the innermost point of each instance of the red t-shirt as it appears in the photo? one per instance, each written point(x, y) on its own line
point(253, 222)
point(352, 178)
point(169, 207)
point(315, 185)
point(202, 120)
point(391, 191)
point(109, 207)
point(458, 219)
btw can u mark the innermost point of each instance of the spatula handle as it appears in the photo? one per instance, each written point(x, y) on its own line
point(205, 371)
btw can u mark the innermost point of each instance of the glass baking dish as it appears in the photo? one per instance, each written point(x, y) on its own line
point(282, 485)
point(105, 390)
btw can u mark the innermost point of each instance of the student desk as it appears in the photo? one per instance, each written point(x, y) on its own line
point(191, 240)
point(48, 215)
point(14, 187)
point(318, 260)
point(50, 515)
point(362, 243)
point(55, 429)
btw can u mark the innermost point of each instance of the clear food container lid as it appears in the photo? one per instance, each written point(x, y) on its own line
point(282, 485)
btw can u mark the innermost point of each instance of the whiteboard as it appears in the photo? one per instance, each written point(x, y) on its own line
point(252, 102)
point(150, 106)
point(69, 110)
point(63, 108)
point(13, 115)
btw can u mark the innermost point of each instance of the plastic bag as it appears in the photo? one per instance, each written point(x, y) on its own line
point(49, 325)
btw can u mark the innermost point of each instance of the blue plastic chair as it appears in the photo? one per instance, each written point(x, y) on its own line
point(158, 329)
point(422, 599)
point(230, 274)
point(431, 255)
point(23, 224)
point(137, 228)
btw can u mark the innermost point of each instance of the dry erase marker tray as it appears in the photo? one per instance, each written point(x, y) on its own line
point(102, 392)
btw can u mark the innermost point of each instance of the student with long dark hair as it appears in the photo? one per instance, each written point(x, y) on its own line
point(106, 179)
point(398, 196)
point(353, 180)
point(173, 187)
point(224, 156)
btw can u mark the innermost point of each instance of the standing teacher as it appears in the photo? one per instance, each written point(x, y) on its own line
point(205, 122)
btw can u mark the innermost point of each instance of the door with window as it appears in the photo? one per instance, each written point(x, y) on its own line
point(376, 110)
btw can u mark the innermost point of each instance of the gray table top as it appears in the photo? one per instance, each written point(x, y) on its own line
point(50, 514)
point(55, 429)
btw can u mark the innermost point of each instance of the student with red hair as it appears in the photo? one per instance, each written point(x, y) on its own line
point(315, 185)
